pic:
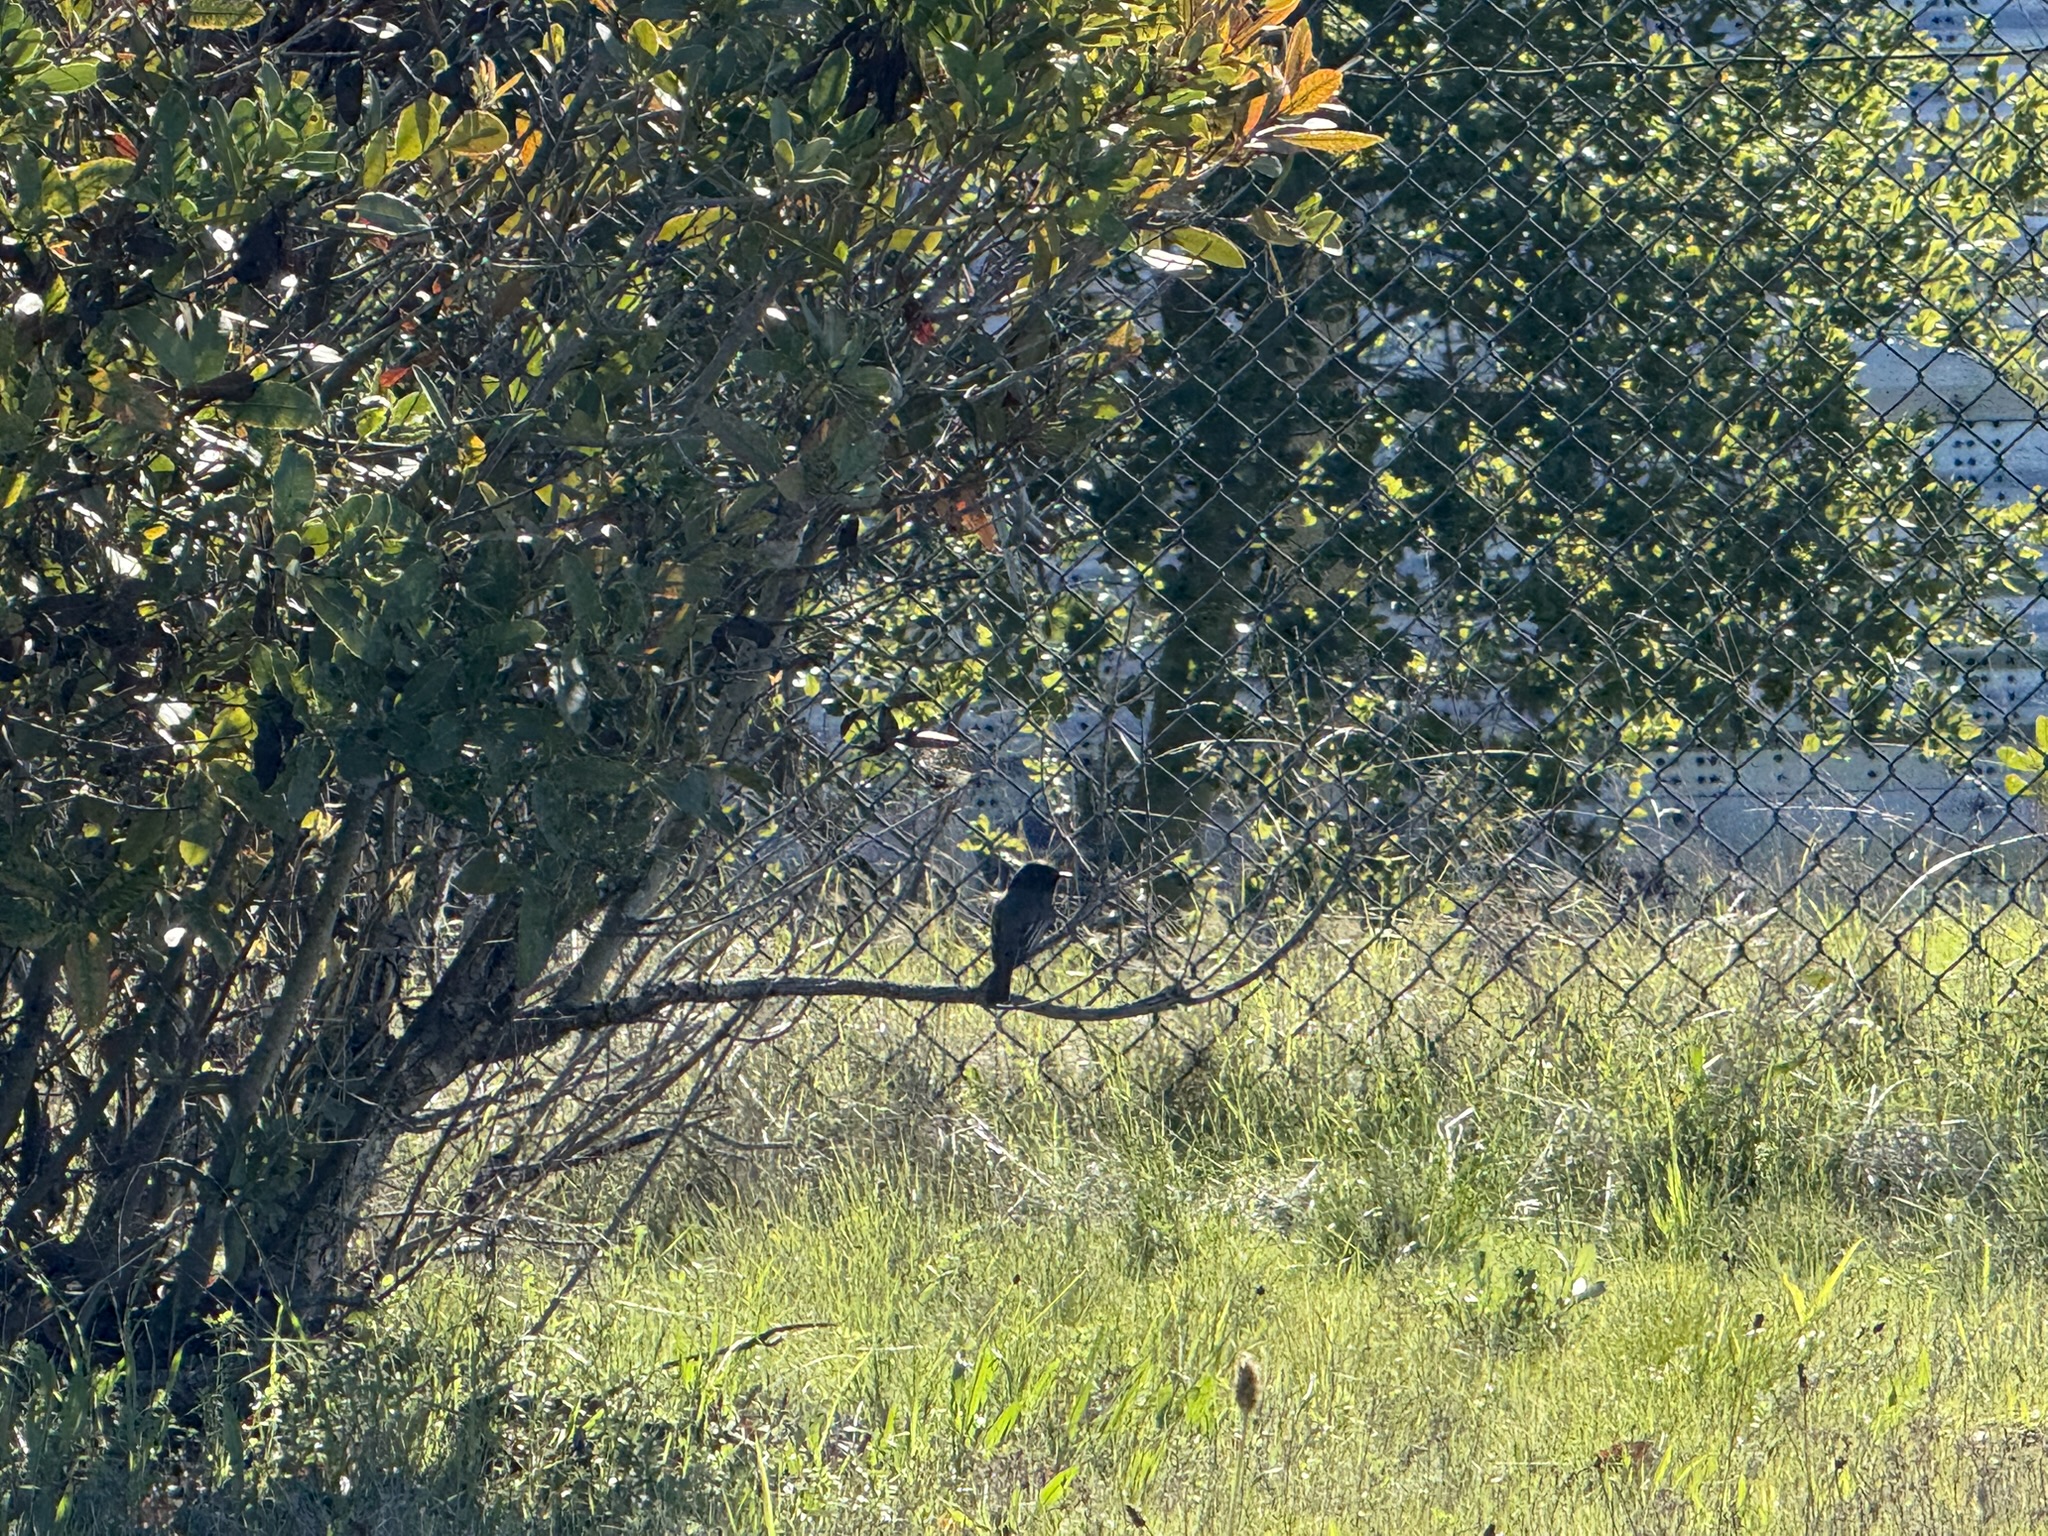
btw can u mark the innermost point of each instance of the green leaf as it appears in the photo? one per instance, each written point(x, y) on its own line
point(63, 79)
point(1274, 228)
point(487, 875)
point(417, 128)
point(1206, 245)
point(586, 602)
point(1826, 1293)
point(279, 405)
point(875, 386)
point(743, 438)
point(336, 607)
point(1056, 1486)
point(222, 15)
point(293, 486)
point(828, 86)
point(78, 187)
point(233, 727)
point(168, 127)
point(689, 794)
point(389, 215)
point(87, 980)
point(173, 351)
point(476, 136)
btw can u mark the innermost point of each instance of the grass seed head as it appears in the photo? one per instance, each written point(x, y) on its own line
point(1246, 1388)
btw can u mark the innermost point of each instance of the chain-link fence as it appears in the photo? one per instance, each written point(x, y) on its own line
point(1576, 569)
point(1573, 564)
point(1586, 557)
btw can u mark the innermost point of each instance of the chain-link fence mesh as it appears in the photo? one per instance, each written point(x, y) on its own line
point(1575, 565)
point(1585, 560)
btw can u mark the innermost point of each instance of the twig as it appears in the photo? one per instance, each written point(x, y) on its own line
point(767, 1338)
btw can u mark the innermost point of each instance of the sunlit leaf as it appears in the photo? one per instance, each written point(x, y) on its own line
point(693, 227)
point(222, 15)
point(78, 187)
point(389, 214)
point(1313, 91)
point(1339, 141)
point(1207, 245)
point(476, 136)
point(62, 79)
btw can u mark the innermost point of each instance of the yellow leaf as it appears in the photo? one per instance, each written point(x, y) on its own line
point(1336, 141)
point(472, 453)
point(194, 854)
point(1300, 54)
point(1206, 245)
point(233, 728)
point(376, 159)
point(476, 136)
point(1311, 93)
point(694, 227)
point(78, 187)
point(418, 126)
point(222, 15)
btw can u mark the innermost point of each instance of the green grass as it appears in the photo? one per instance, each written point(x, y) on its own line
point(1709, 1226)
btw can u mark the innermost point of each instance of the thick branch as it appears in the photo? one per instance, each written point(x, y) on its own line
point(286, 1015)
point(540, 1027)
point(544, 1025)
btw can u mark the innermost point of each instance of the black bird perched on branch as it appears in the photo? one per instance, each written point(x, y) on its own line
point(1021, 917)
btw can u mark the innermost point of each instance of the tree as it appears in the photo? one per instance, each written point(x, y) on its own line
point(1562, 457)
point(442, 453)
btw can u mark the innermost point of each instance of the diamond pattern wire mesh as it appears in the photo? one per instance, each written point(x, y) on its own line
point(1608, 586)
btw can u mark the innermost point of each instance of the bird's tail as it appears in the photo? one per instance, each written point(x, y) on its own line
point(997, 988)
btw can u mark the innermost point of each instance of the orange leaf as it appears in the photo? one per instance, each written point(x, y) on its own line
point(1300, 54)
point(528, 137)
point(1272, 16)
point(1253, 111)
point(959, 508)
point(389, 376)
point(123, 145)
point(1311, 93)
